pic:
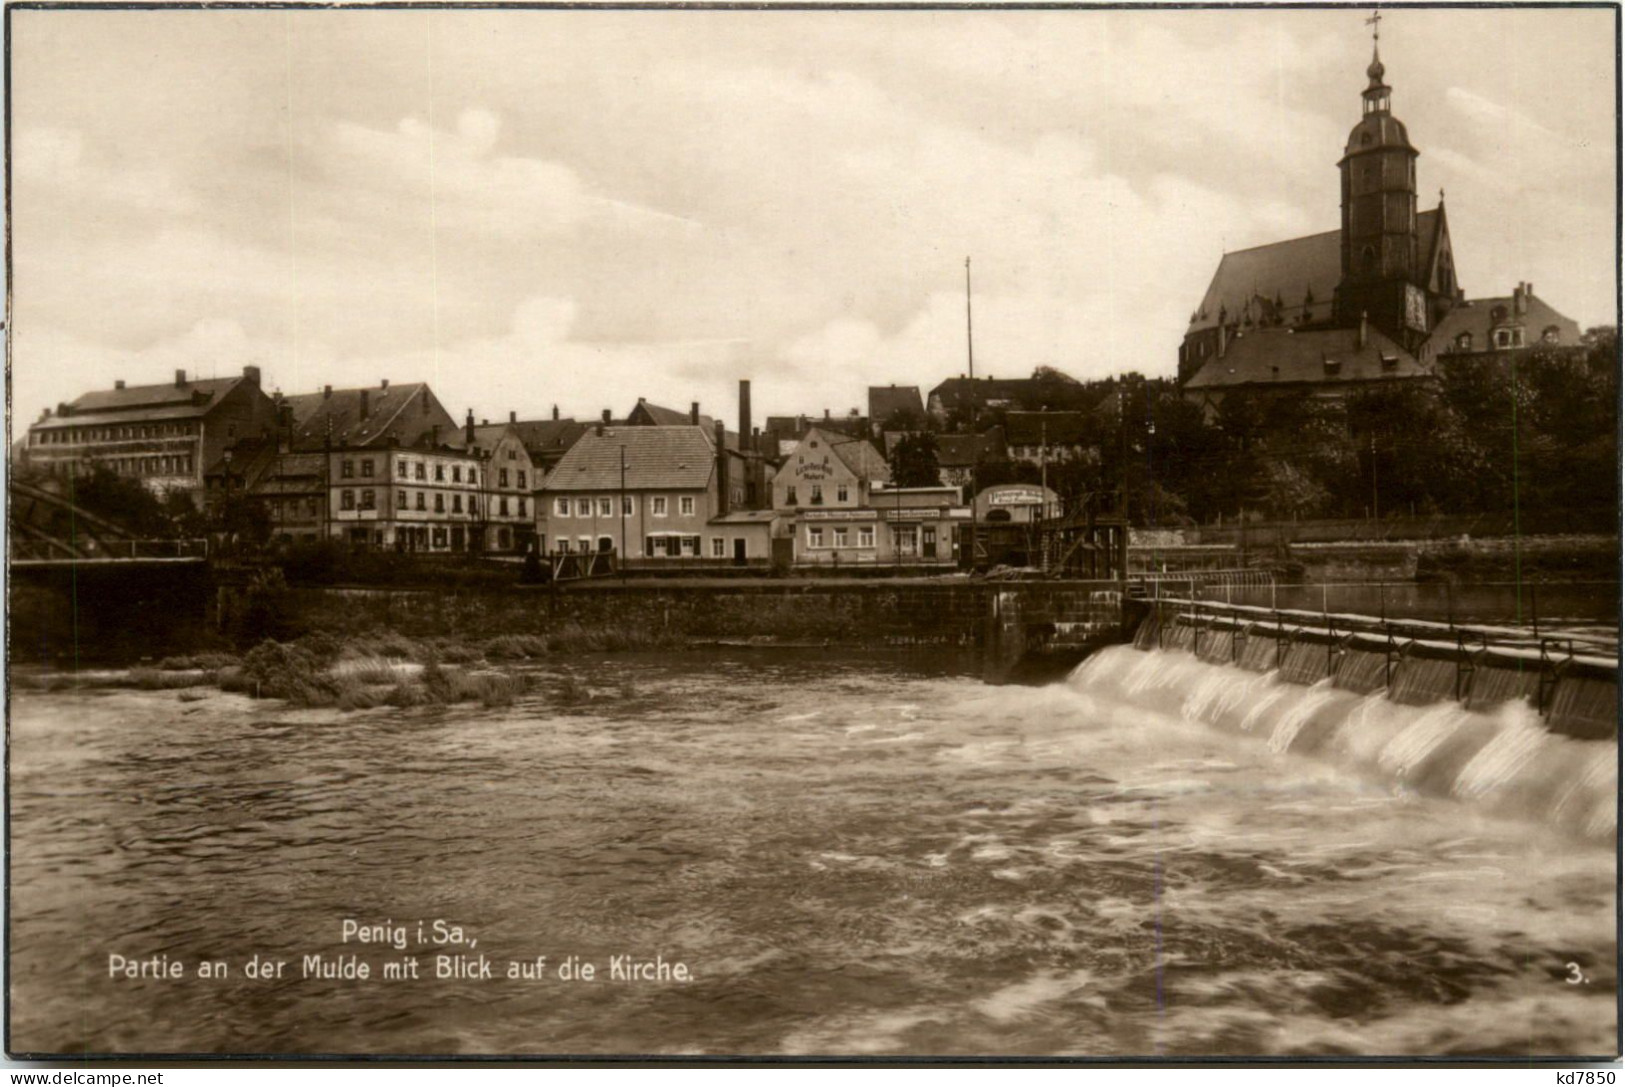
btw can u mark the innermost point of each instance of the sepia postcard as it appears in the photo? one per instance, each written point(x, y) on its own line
point(680, 533)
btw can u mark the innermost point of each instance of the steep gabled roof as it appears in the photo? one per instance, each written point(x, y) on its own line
point(658, 458)
point(887, 400)
point(409, 415)
point(198, 395)
point(1281, 356)
point(549, 437)
point(1286, 271)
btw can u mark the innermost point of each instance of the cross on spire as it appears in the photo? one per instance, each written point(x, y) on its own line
point(1375, 23)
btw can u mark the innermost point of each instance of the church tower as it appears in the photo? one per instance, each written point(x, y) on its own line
point(1382, 277)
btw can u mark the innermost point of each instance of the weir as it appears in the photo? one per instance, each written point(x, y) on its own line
point(1569, 683)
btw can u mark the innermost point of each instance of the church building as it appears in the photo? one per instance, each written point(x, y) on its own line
point(1375, 301)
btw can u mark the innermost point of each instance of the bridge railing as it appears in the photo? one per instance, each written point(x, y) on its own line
point(91, 550)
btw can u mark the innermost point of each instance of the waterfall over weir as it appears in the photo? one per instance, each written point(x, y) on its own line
point(1502, 759)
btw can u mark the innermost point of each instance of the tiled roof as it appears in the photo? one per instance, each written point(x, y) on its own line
point(1285, 271)
point(857, 454)
point(1038, 427)
point(1478, 317)
point(549, 436)
point(407, 414)
point(658, 458)
point(196, 395)
point(131, 415)
point(1280, 356)
point(887, 400)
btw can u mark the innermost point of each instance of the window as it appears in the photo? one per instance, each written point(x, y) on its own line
point(502, 508)
point(840, 537)
point(583, 507)
point(439, 502)
point(366, 466)
point(347, 500)
point(420, 504)
point(457, 473)
point(521, 474)
point(657, 505)
point(368, 500)
point(1464, 342)
point(521, 507)
point(440, 537)
point(1550, 335)
point(626, 506)
point(473, 475)
point(685, 505)
point(690, 546)
point(457, 503)
point(789, 496)
point(400, 468)
point(439, 473)
point(564, 545)
point(347, 469)
point(504, 539)
point(512, 455)
point(561, 507)
point(719, 547)
point(817, 494)
point(840, 493)
point(815, 537)
point(866, 536)
point(1503, 337)
point(586, 544)
point(606, 507)
point(400, 500)
point(417, 471)
point(502, 477)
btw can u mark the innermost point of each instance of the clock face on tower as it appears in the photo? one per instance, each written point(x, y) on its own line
point(1416, 309)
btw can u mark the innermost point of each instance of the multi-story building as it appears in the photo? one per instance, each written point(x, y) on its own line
point(650, 494)
point(168, 436)
point(510, 485)
point(398, 471)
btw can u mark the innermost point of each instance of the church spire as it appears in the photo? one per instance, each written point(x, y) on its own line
point(1376, 93)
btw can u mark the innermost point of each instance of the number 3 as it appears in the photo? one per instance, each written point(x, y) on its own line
point(1575, 977)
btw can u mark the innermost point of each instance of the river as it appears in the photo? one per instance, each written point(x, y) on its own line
point(850, 855)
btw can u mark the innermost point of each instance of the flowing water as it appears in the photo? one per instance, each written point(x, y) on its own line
point(852, 855)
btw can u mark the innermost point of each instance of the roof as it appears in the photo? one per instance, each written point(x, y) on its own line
point(979, 390)
point(490, 435)
point(857, 454)
point(1478, 317)
point(409, 414)
point(1281, 356)
point(145, 403)
point(887, 400)
point(1289, 271)
point(658, 458)
point(1040, 427)
point(549, 436)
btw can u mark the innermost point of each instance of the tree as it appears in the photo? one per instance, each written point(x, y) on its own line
point(914, 461)
point(122, 500)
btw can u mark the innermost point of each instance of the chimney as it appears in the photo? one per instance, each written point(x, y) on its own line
point(251, 374)
point(118, 384)
point(425, 399)
point(606, 416)
point(744, 412)
point(826, 415)
point(383, 384)
point(434, 436)
point(513, 417)
point(468, 428)
point(485, 422)
point(694, 414)
point(364, 404)
point(722, 469)
point(1359, 340)
point(1519, 301)
point(327, 392)
point(180, 378)
point(555, 413)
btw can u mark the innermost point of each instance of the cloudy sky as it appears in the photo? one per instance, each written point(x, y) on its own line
point(537, 207)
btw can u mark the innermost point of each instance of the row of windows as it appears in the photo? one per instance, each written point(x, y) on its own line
point(294, 509)
point(659, 506)
point(816, 497)
point(668, 547)
point(367, 499)
point(148, 466)
point(841, 537)
point(1504, 338)
point(113, 433)
point(366, 466)
point(905, 539)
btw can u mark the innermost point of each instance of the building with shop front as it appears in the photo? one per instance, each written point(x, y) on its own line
point(167, 436)
point(656, 495)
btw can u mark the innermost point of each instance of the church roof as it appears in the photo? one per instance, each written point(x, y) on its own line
point(1282, 356)
point(1286, 270)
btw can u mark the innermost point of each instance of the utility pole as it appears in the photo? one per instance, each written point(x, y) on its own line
point(1374, 515)
point(970, 350)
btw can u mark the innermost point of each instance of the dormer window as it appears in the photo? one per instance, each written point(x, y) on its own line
point(1464, 342)
point(1550, 335)
point(1333, 367)
point(1390, 362)
point(1503, 338)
